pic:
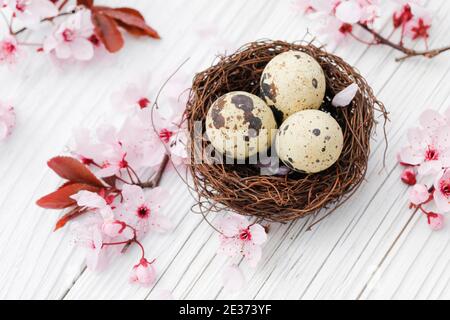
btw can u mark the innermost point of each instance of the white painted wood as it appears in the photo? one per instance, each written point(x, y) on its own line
point(373, 247)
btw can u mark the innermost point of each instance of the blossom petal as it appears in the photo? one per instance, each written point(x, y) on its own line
point(133, 194)
point(3, 131)
point(160, 223)
point(82, 49)
point(233, 279)
point(349, 12)
point(411, 155)
point(430, 167)
point(418, 194)
point(259, 235)
point(252, 253)
point(344, 97)
point(230, 247)
point(431, 119)
point(89, 199)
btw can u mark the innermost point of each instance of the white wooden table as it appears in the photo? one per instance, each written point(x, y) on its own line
point(372, 247)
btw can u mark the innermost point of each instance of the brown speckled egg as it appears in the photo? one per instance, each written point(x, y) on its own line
point(292, 81)
point(309, 141)
point(240, 125)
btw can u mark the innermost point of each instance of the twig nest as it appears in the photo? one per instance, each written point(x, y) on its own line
point(286, 196)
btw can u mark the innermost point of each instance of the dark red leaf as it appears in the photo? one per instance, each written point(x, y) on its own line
point(107, 31)
point(86, 3)
point(131, 20)
point(60, 199)
point(72, 214)
point(73, 170)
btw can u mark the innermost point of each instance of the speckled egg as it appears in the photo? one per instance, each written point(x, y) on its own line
point(240, 125)
point(309, 141)
point(292, 81)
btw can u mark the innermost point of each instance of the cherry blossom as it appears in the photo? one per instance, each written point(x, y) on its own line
point(418, 194)
point(143, 209)
point(429, 145)
point(90, 237)
point(436, 221)
point(442, 191)
point(31, 12)
point(70, 39)
point(7, 120)
point(10, 52)
point(409, 176)
point(239, 237)
point(361, 20)
point(133, 96)
point(427, 153)
point(143, 273)
point(87, 199)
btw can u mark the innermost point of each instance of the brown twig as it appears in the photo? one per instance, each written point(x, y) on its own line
point(61, 14)
point(154, 181)
point(408, 53)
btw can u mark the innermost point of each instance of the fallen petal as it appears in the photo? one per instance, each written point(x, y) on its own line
point(343, 98)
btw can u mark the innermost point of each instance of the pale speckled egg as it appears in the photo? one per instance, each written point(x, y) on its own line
point(240, 125)
point(292, 81)
point(309, 141)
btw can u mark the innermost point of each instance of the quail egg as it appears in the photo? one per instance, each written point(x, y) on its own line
point(240, 125)
point(292, 81)
point(309, 141)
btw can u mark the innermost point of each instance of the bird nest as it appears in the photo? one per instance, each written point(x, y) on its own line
point(241, 187)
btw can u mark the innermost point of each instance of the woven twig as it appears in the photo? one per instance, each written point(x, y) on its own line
point(241, 188)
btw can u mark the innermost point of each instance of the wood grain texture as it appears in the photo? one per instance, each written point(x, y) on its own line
point(373, 247)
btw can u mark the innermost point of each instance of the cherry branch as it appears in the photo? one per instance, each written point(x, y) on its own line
point(408, 53)
point(61, 14)
point(156, 178)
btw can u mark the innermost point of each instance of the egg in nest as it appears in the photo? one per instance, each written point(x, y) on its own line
point(309, 141)
point(240, 125)
point(292, 81)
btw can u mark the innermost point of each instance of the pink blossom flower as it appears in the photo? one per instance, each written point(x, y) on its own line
point(345, 97)
point(10, 51)
point(442, 191)
point(418, 194)
point(334, 30)
point(90, 237)
point(70, 39)
point(114, 228)
point(31, 12)
point(143, 273)
point(233, 279)
point(134, 96)
point(429, 146)
point(92, 200)
point(241, 238)
point(7, 120)
point(409, 176)
point(348, 11)
point(143, 210)
point(435, 221)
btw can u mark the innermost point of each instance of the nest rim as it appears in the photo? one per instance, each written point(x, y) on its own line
point(239, 188)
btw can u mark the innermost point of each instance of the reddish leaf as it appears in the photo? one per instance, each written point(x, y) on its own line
point(107, 31)
point(73, 170)
point(86, 3)
point(72, 214)
point(60, 199)
point(131, 20)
